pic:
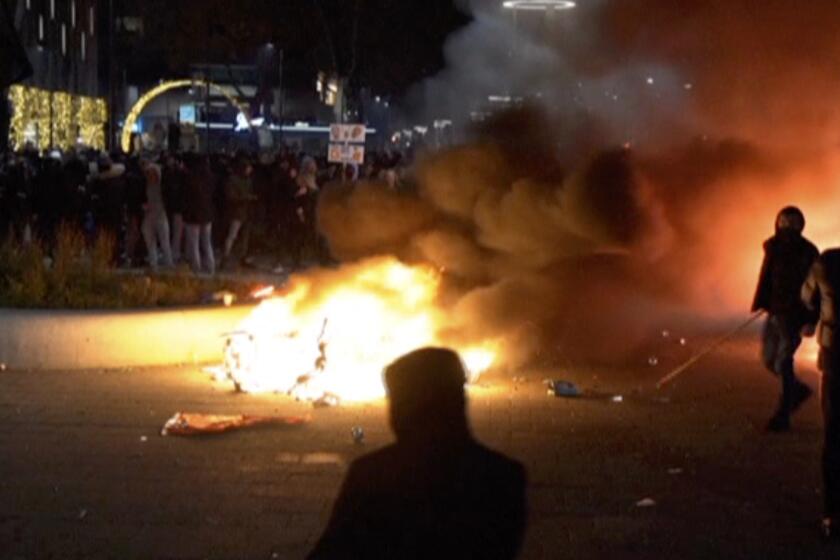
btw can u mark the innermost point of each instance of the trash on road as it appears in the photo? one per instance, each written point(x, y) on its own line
point(645, 503)
point(358, 434)
point(653, 361)
point(560, 388)
point(143, 439)
point(618, 399)
point(192, 424)
point(675, 471)
point(83, 513)
point(327, 400)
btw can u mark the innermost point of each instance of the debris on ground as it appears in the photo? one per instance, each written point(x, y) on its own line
point(225, 297)
point(618, 399)
point(645, 503)
point(560, 388)
point(143, 439)
point(327, 400)
point(675, 471)
point(82, 514)
point(358, 434)
point(191, 424)
point(653, 361)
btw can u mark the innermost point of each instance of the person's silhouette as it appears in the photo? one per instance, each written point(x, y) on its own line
point(436, 492)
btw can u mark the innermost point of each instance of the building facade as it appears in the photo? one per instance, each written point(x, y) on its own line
point(59, 106)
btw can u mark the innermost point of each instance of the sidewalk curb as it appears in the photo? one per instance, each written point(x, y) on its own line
point(75, 340)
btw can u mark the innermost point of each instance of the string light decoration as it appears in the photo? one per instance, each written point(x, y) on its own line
point(55, 119)
point(17, 130)
point(141, 103)
point(41, 116)
point(63, 123)
point(93, 115)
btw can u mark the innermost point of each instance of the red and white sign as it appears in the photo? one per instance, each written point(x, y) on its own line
point(346, 153)
point(353, 133)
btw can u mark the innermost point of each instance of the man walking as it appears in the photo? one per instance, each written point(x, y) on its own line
point(788, 257)
point(820, 294)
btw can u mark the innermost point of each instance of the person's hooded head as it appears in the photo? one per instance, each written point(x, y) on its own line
point(426, 393)
point(790, 221)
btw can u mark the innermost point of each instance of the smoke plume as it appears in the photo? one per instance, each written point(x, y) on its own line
point(655, 142)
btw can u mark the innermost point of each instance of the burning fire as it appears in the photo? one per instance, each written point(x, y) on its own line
point(331, 334)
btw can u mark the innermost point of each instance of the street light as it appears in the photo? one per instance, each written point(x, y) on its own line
point(538, 5)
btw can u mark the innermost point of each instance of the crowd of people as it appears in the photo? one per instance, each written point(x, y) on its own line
point(208, 211)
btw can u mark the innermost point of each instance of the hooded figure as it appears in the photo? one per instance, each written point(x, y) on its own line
point(436, 492)
point(788, 258)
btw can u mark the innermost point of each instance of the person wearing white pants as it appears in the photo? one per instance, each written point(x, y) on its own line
point(198, 215)
point(200, 248)
point(155, 223)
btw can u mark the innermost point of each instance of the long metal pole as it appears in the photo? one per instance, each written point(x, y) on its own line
point(207, 90)
point(708, 349)
point(111, 109)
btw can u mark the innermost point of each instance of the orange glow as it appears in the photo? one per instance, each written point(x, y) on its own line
point(333, 332)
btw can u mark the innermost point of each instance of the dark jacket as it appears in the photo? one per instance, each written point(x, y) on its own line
point(199, 185)
point(461, 502)
point(239, 192)
point(788, 258)
point(172, 185)
point(820, 293)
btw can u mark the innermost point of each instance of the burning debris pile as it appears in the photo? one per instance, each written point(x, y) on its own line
point(329, 336)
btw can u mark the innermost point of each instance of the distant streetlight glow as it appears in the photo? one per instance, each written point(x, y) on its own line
point(539, 5)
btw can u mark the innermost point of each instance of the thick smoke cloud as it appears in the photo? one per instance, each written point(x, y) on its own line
point(658, 140)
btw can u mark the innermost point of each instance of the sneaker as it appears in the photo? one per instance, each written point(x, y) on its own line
point(778, 424)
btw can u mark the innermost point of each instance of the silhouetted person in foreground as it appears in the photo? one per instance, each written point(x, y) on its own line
point(436, 492)
point(822, 292)
point(788, 257)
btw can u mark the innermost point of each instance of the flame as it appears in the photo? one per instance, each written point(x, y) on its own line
point(333, 332)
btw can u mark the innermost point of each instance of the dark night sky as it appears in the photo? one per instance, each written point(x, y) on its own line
point(398, 42)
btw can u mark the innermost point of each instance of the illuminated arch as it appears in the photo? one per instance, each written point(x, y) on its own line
point(147, 98)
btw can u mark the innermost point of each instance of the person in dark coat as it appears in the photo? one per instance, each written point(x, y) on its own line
point(820, 293)
point(109, 188)
point(239, 193)
point(173, 200)
point(198, 215)
point(788, 258)
point(436, 492)
point(135, 200)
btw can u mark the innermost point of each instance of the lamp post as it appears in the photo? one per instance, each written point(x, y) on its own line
point(547, 7)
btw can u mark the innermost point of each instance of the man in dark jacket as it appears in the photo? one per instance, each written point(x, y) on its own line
point(436, 492)
point(788, 258)
point(820, 293)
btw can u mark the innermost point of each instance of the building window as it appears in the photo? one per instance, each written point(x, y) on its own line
point(64, 38)
point(52, 9)
point(73, 14)
point(92, 21)
point(28, 4)
point(84, 47)
point(40, 28)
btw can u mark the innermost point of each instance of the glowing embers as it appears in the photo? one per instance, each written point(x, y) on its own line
point(331, 333)
point(539, 5)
